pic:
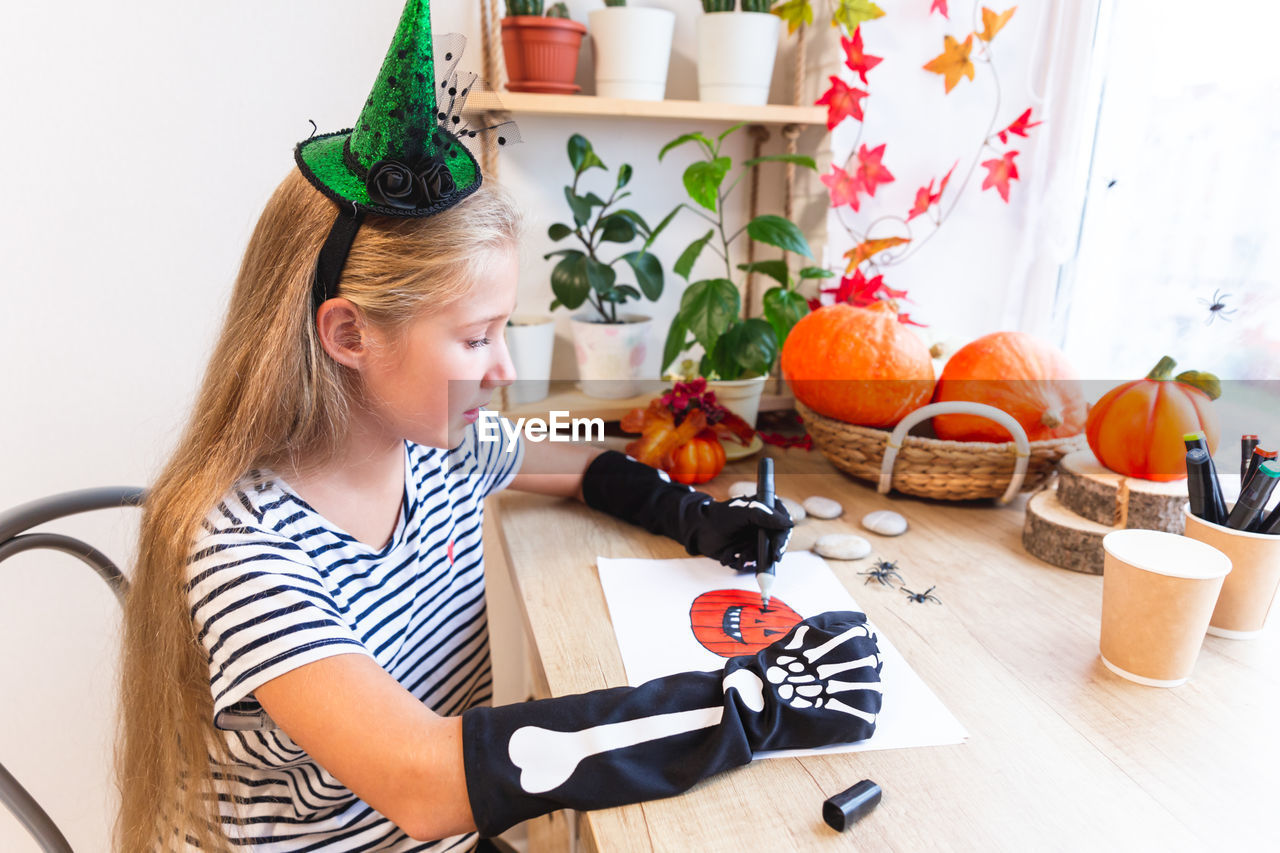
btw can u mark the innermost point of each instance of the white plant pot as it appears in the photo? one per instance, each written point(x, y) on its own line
point(735, 56)
point(632, 49)
point(740, 396)
point(611, 355)
point(530, 338)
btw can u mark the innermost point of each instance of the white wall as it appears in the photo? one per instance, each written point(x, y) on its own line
point(141, 140)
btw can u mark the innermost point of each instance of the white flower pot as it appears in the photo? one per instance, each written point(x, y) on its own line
point(530, 338)
point(611, 355)
point(740, 396)
point(632, 49)
point(735, 56)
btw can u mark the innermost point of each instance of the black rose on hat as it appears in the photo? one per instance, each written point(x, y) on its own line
point(437, 180)
point(391, 183)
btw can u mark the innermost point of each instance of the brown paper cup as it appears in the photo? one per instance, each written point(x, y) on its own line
point(1158, 590)
point(1248, 592)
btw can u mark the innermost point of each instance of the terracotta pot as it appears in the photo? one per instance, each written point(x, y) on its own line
point(541, 53)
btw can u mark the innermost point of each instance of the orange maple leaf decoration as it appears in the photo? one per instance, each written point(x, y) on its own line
point(926, 197)
point(940, 6)
point(953, 63)
point(993, 23)
point(842, 101)
point(999, 173)
point(1018, 127)
point(867, 248)
point(844, 187)
point(855, 59)
point(870, 172)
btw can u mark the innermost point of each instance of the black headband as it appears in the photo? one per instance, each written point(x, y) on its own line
point(333, 255)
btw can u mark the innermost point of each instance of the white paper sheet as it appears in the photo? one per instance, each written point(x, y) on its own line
point(649, 602)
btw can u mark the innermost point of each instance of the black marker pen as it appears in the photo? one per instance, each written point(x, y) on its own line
point(1254, 497)
point(1247, 444)
point(1216, 507)
point(1197, 481)
point(1255, 459)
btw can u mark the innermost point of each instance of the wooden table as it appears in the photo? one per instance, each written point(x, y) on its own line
point(1062, 754)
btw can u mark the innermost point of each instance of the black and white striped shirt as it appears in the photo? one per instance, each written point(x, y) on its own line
point(274, 586)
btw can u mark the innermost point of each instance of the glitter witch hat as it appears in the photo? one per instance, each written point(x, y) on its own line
point(405, 156)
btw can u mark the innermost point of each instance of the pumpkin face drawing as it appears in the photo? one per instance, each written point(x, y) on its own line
point(733, 622)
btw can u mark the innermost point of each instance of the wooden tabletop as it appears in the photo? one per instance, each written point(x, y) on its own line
point(1062, 754)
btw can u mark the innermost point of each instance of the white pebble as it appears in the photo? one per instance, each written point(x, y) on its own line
point(842, 546)
point(885, 522)
point(820, 507)
point(742, 489)
point(795, 510)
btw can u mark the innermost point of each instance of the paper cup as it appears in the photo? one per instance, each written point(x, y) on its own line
point(1249, 591)
point(1158, 590)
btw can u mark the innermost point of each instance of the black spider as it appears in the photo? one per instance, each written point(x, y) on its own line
point(922, 597)
point(1217, 307)
point(882, 571)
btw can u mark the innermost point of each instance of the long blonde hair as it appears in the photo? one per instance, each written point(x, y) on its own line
point(270, 396)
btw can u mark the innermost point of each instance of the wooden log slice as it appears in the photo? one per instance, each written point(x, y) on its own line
point(1055, 534)
point(1103, 496)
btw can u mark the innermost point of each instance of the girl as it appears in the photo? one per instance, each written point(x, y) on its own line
point(305, 654)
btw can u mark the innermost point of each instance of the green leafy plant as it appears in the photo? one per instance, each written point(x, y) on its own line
point(523, 7)
point(709, 310)
point(756, 5)
point(615, 2)
point(717, 5)
point(581, 275)
point(559, 10)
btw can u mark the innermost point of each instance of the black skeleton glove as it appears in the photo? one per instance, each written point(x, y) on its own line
point(817, 686)
point(616, 484)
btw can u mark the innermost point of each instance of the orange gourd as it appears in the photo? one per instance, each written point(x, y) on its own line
point(1018, 374)
point(698, 459)
point(1136, 429)
point(859, 365)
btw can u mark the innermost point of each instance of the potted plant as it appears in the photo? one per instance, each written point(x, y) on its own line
point(530, 339)
point(541, 51)
point(738, 354)
point(609, 345)
point(632, 50)
point(736, 50)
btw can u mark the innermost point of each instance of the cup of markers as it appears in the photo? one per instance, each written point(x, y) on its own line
point(1246, 532)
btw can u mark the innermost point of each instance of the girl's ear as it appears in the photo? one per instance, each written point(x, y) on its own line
point(343, 332)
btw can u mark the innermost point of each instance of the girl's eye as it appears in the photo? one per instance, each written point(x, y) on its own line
point(477, 343)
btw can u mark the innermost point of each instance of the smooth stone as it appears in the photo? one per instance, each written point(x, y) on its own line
point(842, 546)
point(742, 489)
point(885, 522)
point(795, 510)
point(820, 507)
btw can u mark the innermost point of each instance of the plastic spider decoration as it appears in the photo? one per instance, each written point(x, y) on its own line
point(1217, 307)
point(882, 571)
point(922, 597)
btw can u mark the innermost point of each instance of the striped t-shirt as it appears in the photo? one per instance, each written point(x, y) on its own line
point(274, 586)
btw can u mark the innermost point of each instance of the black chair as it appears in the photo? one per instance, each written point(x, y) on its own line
point(14, 539)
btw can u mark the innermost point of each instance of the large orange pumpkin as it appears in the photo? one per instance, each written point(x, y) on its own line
point(1018, 374)
point(698, 459)
point(1136, 429)
point(859, 365)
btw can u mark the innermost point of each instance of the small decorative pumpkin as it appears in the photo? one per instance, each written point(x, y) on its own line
point(698, 459)
point(859, 365)
point(1136, 429)
point(733, 622)
point(1020, 375)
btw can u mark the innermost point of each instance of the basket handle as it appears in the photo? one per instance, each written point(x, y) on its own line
point(1022, 447)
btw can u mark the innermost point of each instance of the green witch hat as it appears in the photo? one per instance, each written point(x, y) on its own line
point(405, 155)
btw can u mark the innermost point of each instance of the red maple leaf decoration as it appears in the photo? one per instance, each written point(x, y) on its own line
point(858, 290)
point(1018, 127)
point(924, 198)
point(940, 6)
point(844, 187)
point(870, 171)
point(906, 320)
point(999, 173)
point(855, 59)
point(842, 101)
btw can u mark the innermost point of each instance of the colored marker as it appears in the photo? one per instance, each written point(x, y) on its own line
point(1254, 497)
point(1216, 509)
point(1255, 459)
point(764, 554)
point(1270, 524)
point(1247, 444)
point(1198, 482)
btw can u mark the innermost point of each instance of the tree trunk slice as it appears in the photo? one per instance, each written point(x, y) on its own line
point(1055, 534)
point(1103, 496)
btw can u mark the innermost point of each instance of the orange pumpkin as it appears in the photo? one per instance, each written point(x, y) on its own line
point(698, 459)
point(1136, 429)
point(1018, 374)
point(859, 365)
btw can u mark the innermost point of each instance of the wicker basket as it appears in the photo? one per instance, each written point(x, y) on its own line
point(932, 468)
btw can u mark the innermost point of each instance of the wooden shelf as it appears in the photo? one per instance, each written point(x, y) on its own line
point(589, 105)
point(565, 396)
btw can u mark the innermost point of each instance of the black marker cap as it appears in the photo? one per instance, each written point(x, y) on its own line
point(1198, 489)
point(848, 807)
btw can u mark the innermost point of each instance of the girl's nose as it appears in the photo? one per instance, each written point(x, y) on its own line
point(502, 372)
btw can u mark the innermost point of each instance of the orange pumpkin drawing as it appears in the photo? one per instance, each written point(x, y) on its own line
point(732, 622)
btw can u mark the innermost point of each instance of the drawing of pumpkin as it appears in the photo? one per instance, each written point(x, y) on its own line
point(732, 622)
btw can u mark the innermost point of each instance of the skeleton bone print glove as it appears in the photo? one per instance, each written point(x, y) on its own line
point(817, 686)
point(616, 484)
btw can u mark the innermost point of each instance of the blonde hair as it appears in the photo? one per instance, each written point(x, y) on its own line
point(270, 396)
